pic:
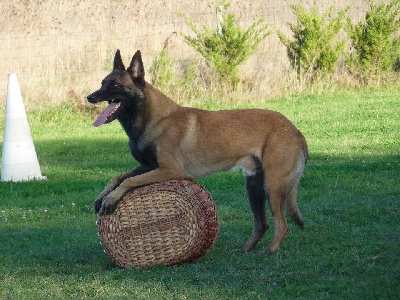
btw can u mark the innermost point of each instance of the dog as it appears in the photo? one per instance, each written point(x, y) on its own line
point(175, 142)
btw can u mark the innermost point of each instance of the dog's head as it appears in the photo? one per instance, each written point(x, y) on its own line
point(121, 88)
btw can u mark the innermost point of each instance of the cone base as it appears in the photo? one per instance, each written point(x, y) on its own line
point(18, 172)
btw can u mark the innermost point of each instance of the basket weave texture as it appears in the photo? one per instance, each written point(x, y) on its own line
point(163, 223)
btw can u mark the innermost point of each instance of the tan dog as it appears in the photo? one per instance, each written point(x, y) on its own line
point(174, 142)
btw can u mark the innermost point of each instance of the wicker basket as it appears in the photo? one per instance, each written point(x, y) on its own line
point(160, 224)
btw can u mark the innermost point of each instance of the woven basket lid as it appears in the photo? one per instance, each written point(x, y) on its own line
point(160, 224)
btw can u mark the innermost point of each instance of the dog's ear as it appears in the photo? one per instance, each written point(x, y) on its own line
point(136, 68)
point(118, 64)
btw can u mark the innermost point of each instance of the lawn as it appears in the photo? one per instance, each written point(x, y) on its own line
point(349, 196)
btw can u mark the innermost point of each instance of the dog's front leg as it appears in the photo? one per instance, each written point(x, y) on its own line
point(158, 175)
point(115, 182)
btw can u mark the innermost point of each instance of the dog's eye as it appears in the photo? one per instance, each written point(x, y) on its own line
point(115, 84)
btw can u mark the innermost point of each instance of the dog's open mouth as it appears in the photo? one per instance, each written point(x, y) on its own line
point(108, 114)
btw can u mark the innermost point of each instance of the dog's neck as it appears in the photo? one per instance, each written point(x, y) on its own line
point(155, 100)
point(154, 106)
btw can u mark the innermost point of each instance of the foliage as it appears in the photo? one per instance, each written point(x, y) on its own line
point(228, 46)
point(161, 70)
point(314, 50)
point(180, 82)
point(375, 40)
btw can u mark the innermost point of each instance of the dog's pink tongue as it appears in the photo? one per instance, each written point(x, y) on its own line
point(104, 114)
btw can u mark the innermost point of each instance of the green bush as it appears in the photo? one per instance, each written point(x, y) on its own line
point(227, 46)
point(162, 68)
point(315, 48)
point(375, 40)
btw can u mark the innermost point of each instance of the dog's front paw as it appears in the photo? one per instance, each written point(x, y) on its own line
point(97, 205)
point(108, 205)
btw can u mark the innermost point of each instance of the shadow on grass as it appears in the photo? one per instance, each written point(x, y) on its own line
point(349, 247)
point(49, 247)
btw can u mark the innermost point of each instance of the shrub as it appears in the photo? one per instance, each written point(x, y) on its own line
point(315, 49)
point(229, 45)
point(161, 70)
point(375, 40)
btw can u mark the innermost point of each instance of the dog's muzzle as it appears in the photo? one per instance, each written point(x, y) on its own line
point(92, 98)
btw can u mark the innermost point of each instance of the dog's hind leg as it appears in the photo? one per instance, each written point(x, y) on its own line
point(282, 187)
point(277, 205)
point(257, 197)
point(282, 170)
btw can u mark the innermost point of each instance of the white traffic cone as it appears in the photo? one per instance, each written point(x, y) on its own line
point(19, 159)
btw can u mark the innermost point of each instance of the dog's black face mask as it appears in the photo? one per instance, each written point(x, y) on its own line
point(121, 88)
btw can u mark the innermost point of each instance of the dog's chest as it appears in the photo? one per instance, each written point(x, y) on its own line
point(145, 155)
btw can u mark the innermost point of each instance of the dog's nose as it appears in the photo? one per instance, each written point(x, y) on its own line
point(91, 98)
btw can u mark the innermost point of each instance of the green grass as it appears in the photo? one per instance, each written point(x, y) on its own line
point(349, 196)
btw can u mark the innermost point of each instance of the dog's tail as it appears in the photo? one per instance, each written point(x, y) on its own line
point(291, 197)
point(304, 147)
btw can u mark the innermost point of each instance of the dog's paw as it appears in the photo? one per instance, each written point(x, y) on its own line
point(269, 251)
point(97, 205)
point(108, 205)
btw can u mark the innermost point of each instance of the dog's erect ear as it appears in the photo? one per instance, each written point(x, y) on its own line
point(136, 68)
point(118, 64)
